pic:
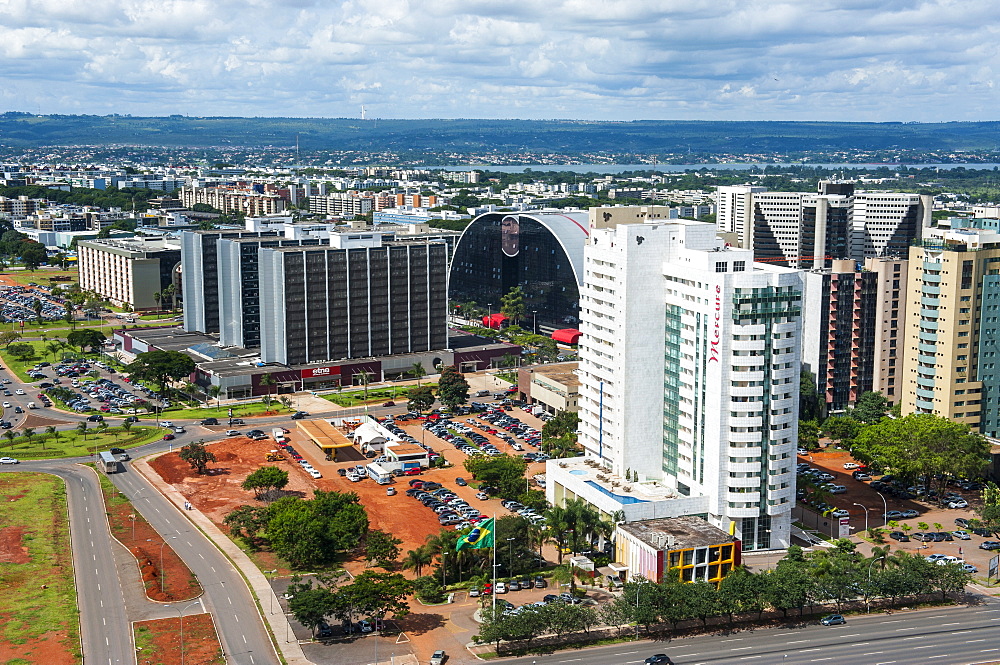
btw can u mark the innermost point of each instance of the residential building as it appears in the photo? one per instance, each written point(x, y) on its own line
point(953, 324)
point(230, 200)
point(689, 380)
point(342, 204)
point(852, 329)
point(128, 272)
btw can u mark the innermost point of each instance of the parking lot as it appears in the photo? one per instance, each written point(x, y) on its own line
point(860, 498)
point(17, 303)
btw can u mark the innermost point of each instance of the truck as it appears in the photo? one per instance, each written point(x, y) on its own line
point(32, 405)
point(378, 473)
point(279, 435)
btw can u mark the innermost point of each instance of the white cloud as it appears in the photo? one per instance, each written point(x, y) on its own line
point(597, 59)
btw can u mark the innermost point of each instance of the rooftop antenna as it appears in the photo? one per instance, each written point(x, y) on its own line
point(362, 111)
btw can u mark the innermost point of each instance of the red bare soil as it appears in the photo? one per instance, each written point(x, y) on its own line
point(160, 640)
point(175, 581)
point(12, 549)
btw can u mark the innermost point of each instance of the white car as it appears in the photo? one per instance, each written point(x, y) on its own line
point(18, 392)
point(8, 460)
point(6, 405)
point(961, 535)
point(316, 474)
point(482, 496)
point(840, 513)
point(850, 465)
point(232, 432)
point(500, 587)
point(166, 423)
point(961, 503)
point(950, 559)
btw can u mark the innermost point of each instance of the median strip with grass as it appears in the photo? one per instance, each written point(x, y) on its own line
point(373, 396)
point(39, 618)
point(74, 443)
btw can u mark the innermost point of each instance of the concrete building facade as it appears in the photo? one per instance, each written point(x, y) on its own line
point(128, 272)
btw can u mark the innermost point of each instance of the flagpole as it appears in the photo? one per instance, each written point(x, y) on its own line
point(494, 565)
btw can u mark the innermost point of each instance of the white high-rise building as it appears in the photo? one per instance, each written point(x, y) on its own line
point(689, 380)
point(734, 210)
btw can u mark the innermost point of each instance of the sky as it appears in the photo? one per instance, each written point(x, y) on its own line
point(839, 60)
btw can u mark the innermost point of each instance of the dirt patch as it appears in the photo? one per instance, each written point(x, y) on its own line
point(37, 422)
point(12, 549)
point(158, 642)
point(48, 650)
point(164, 575)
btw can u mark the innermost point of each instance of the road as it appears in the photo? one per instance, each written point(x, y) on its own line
point(940, 636)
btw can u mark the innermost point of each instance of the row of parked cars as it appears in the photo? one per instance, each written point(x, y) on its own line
point(514, 426)
point(18, 304)
point(111, 397)
point(449, 431)
point(522, 510)
point(389, 423)
point(538, 582)
point(451, 510)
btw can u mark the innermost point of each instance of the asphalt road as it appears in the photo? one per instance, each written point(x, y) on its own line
point(940, 636)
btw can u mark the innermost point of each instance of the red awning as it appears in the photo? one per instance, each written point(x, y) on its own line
point(567, 335)
point(494, 320)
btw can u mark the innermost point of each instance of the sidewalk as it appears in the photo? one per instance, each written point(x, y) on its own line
point(275, 617)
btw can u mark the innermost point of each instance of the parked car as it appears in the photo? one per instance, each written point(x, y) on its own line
point(850, 465)
point(390, 491)
point(961, 535)
point(833, 620)
point(900, 536)
point(989, 545)
point(210, 421)
point(460, 482)
point(437, 658)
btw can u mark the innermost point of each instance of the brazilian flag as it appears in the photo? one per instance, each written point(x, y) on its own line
point(477, 539)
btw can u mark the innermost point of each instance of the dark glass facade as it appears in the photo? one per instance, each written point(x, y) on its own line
point(500, 251)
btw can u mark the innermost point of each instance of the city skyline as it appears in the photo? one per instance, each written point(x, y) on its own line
point(622, 60)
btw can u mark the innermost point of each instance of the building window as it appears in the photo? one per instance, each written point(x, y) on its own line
point(739, 266)
point(721, 266)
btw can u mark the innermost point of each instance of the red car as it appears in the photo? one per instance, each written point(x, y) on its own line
point(415, 471)
point(416, 484)
point(169, 437)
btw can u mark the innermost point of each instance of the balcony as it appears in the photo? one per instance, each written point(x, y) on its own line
point(930, 302)
point(927, 348)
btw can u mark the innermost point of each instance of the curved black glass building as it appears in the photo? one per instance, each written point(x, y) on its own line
point(540, 251)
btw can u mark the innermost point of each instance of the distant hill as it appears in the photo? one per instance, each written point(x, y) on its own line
point(506, 136)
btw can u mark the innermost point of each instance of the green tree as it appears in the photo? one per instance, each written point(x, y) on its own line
point(415, 560)
point(267, 380)
point(381, 548)
point(428, 589)
point(197, 455)
point(21, 351)
point(419, 398)
point(37, 307)
point(54, 347)
point(81, 427)
point(265, 480)
point(10, 435)
point(870, 408)
point(842, 429)
point(808, 434)
point(310, 607)
point(921, 446)
point(161, 367)
point(309, 533)
point(86, 338)
point(989, 511)
point(248, 524)
point(375, 593)
point(741, 592)
point(453, 389)
point(8, 337)
point(512, 304)
point(811, 402)
point(157, 296)
point(213, 392)
point(28, 435)
point(504, 472)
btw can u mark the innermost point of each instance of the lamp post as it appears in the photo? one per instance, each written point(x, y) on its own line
point(181, 612)
point(534, 321)
point(866, 515)
point(885, 510)
point(868, 591)
point(270, 596)
point(162, 575)
point(510, 555)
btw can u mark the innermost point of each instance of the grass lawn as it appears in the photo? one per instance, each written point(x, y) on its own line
point(239, 411)
point(20, 367)
point(41, 276)
point(375, 395)
point(72, 444)
point(38, 595)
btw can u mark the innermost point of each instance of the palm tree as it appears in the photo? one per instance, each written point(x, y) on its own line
point(82, 429)
point(267, 380)
point(168, 294)
point(157, 297)
point(190, 389)
point(127, 426)
point(28, 435)
point(51, 429)
point(366, 378)
point(54, 347)
point(37, 306)
point(102, 427)
point(213, 392)
point(417, 371)
point(10, 435)
point(416, 559)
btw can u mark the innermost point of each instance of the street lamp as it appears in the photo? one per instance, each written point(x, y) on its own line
point(181, 612)
point(885, 510)
point(270, 596)
point(867, 605)
point(866, 515)
point(534, 321)
point(162, 572)
point(510, 555)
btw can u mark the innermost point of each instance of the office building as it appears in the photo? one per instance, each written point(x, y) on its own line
point(687, 549)
point(689, 373)
point(352, 301)
point(128, 271)
point(540, 251)
point(809, 230)
point(553, 387)
point(953, 308)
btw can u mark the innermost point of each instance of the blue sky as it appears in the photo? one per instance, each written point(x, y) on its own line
point(876, 60)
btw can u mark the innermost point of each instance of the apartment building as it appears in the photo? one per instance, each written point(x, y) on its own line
point(128, 272)
point(852, 332)
point(341, 204)
point(231, 200)
point(953, 325)
point(689, 381)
